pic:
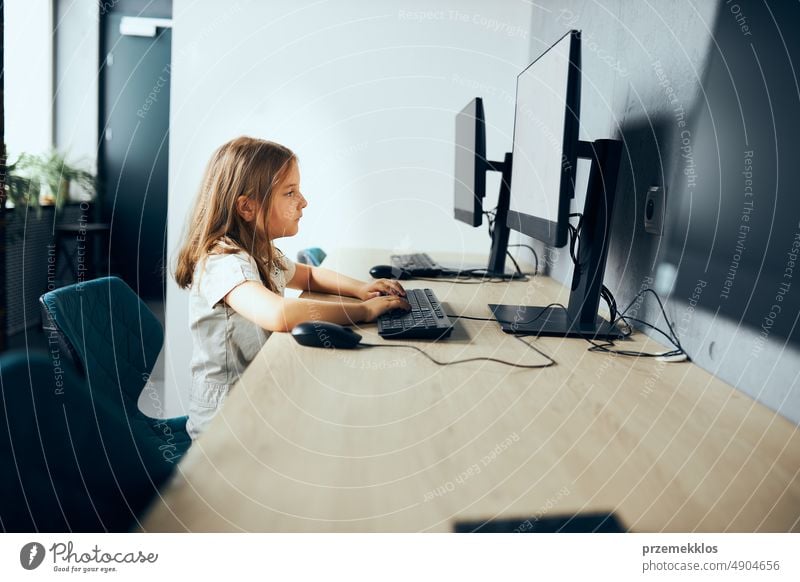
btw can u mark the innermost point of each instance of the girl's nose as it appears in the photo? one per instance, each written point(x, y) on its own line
point(303, 201)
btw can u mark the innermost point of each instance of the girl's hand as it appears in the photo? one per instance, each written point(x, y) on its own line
point(381, 304)
point(381, 287)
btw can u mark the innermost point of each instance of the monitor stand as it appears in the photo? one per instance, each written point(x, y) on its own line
point(580, 318)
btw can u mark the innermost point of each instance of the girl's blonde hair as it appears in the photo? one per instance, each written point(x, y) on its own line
point(244, 166)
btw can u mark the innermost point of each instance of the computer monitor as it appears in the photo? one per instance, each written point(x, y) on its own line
point(545, 153)
point(470, 164)
point(546, 142)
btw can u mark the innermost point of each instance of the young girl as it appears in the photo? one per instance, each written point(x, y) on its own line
point(250, 196)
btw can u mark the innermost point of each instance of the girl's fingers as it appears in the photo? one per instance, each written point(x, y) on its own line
point(393, 287)
point(399, 301)
point(385, 288)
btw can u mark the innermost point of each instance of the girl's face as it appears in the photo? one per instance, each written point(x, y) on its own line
point(287, 206)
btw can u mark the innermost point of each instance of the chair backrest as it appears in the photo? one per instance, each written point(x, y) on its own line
point(69, 462)
point(311, 256)
point(115, 336)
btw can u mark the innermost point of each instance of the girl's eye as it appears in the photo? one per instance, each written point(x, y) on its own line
point(290, 193)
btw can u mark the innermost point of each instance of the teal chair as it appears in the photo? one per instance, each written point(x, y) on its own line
point(311, 256)
point(114, 340)
point(69, 461)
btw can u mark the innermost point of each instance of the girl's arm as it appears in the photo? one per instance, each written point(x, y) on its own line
point(272, 312)
point(321, 280)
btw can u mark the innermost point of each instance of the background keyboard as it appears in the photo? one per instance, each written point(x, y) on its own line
point(426, 320)
point(417, 265)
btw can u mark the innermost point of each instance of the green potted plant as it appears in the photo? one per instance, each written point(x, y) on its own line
point(47, 175)
point(22, 188)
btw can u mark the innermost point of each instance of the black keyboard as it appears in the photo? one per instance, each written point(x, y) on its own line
point(417, 265)
point(426, 320)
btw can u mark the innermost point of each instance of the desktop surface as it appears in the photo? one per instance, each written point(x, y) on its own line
point(384, 440)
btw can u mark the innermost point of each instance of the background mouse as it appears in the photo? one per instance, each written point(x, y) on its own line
point(323, 334)
point(388, 272)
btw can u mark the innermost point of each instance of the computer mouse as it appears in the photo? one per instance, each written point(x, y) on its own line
point(388, 272)
point(324, 334)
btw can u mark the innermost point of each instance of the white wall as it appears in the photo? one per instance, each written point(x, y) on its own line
point(364, 92)
point(622, 89)
point(28, 63)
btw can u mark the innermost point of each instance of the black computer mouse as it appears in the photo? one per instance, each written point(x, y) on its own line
point(388, 272)
point(324, 334)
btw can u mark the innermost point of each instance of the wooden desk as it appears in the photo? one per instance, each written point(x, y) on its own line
point(383, 440)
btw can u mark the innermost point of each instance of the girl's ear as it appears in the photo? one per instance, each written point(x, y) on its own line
point(246, 208)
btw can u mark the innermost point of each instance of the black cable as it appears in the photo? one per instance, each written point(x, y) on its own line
point(490, 219)
point(672, 337)
point(535, 256)
point(572, 236)
point(516, 265)
point(574, 251)
point(575, 239)
point(604, 348)
point(478, 359)
point(608, 297)
point(470, 317)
